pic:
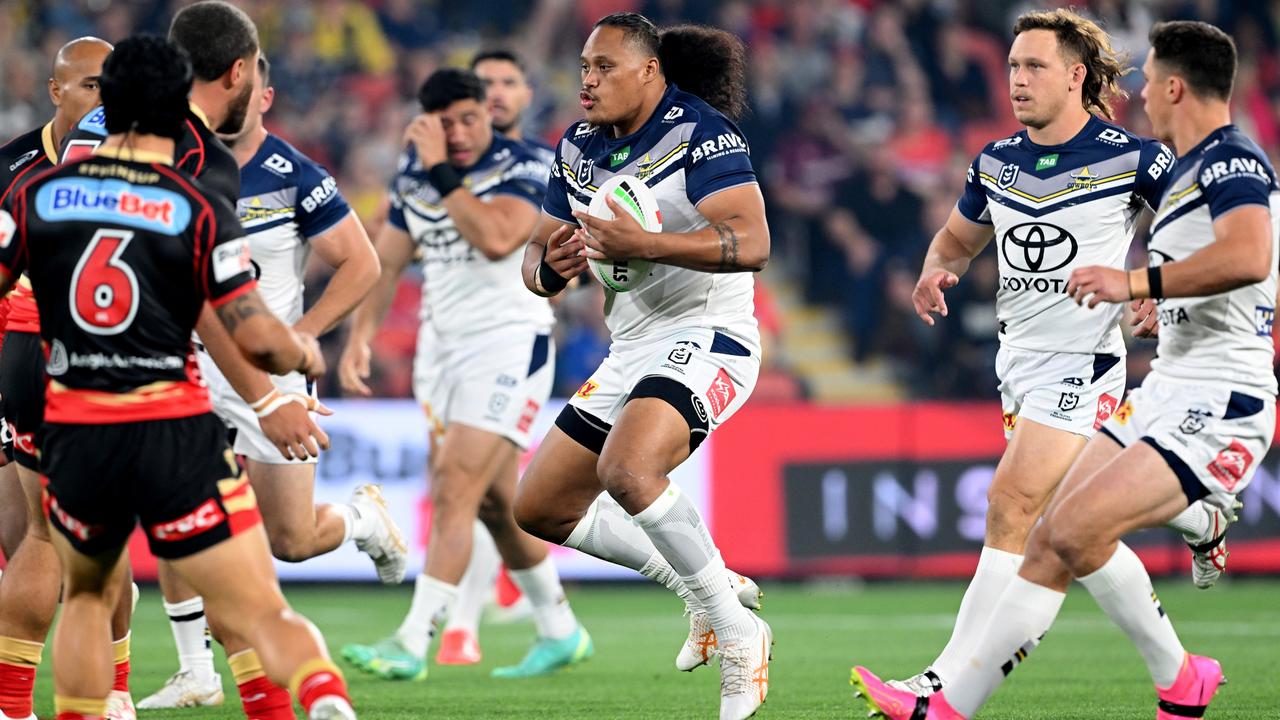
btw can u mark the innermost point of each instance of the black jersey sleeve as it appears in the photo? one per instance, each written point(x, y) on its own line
point(13, 254)
point(224, 264)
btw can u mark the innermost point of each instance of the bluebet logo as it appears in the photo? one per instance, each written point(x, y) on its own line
point(113, 201)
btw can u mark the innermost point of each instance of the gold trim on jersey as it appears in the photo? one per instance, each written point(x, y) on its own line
point(151, 392)
point(1094, 183)
point(1175, 197)
point(649, 168)
point(46, 140)
point(195, 110)
point(133, 155)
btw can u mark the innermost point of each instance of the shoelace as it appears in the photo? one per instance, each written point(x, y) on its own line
point(735, 679)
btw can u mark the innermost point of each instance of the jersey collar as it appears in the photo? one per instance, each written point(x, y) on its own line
point(195, 110)
point(46, 142)
point(130, 155)
point(1089, 126)
point(1212, 137)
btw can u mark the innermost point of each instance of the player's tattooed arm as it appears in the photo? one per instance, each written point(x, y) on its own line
point(735, 240)
point(728, 247)
point(233, 313)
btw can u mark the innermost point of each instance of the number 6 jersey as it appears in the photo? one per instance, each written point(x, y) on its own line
point(121, 255)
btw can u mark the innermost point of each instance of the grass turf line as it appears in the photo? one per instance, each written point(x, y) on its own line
point(1085, 669)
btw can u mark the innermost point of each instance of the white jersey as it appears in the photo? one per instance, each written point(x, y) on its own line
point(1055, 209)
point(463, 292)
point(1224, 338)
point(285, 200)
point(685, 152)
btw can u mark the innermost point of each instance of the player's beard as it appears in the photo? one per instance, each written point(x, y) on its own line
point(236, 112)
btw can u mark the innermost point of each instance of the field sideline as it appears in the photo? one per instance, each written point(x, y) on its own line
point(1084, 669)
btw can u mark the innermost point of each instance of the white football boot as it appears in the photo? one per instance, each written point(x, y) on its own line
point(120, 706)
point(184, 689)
point(386, 547)
point(700, 646)
point(922, 685)
point(331, 707)
point(1209, 556)
point(744, 672)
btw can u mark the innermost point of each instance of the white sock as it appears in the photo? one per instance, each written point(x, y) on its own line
point(606, 531)
point(356, 525)
point(678, 532)
point(1195, 524)
point(1123, 591)
point(1018, 620)
point(191, 636)
point(551, 612)
point(657, 569)
point(995, 569)
point(477, 582)
point(431, 601)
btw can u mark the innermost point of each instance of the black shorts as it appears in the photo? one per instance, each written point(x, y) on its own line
point(177, 477)
point(22, 382)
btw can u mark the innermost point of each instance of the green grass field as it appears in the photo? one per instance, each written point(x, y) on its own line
point(1084, 669)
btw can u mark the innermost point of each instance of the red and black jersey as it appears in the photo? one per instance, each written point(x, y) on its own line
point(122, 254)
point(199, 152)
point(20, 160)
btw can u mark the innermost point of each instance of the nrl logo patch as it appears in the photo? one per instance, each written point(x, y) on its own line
point(1008, 176)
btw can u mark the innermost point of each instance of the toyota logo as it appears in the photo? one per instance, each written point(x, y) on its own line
point(1038, 248)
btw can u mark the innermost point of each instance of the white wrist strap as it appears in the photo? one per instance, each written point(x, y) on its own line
point(275, 399)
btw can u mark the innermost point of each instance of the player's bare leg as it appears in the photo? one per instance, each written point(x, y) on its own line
point(1033, 465)
point(83, 658)
point(466, 458)
point(13, 510)
point(120, 703)
point(651, 438)
point(1082, 529)
point(559, 499)
point(562, 640)
point(28, 601)
point(297, 528)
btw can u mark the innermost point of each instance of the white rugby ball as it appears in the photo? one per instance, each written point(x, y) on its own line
point(634, 197)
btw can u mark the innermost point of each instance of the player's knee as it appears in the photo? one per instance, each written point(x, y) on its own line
point(291, 547)
point(1068, 541)
point(626, 482)
point(494, 512)
point(1010, 511)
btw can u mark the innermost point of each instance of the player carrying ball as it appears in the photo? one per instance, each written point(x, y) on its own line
point(685, 349)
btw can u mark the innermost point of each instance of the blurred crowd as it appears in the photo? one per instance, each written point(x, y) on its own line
point(865, 115)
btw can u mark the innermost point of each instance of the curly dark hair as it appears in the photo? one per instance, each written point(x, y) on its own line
point(708, 62)
point(1081, 38)
point(145, 81)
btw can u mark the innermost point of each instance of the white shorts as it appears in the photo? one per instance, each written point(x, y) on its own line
point(495, 382)
point(250, 441)
point(1075, 392)
point(1213, 437)
point(717, 372)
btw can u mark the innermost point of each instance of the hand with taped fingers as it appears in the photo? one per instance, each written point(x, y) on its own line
point(426, 132)
point(928, 298)
point(285, 418)
point(1145, 321)
point(1096, 284)
point(621, 238)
